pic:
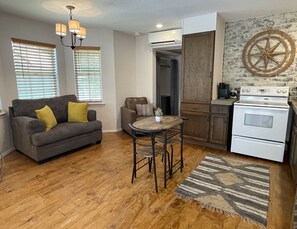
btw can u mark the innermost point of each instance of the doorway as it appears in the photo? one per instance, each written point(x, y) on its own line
point(168, 75)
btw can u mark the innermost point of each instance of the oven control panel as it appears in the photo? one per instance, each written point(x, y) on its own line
point(264, 91)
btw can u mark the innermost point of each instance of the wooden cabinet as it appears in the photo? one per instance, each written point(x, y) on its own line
point(293, 148)
point(198, 53)
point(197, 125)
point(208, 124)
point(196, 128)
point(220, 120)
point(218, 129)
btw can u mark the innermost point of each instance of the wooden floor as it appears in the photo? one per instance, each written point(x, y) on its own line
point(91, 188)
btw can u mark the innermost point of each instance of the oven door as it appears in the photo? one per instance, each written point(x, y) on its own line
point(260, 122)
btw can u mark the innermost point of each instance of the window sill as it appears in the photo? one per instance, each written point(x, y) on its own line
point(96, 103)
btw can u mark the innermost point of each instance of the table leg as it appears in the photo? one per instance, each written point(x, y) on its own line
point(181, 146)
point(165, 163)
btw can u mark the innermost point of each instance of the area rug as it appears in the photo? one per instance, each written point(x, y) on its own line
point(295, 214)
point(230, 186)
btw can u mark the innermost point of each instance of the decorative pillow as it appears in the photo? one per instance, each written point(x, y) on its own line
point(144, 109)
point(47, 116)
point(77, 112)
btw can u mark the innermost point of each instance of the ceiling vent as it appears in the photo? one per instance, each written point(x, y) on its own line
point(165, 38)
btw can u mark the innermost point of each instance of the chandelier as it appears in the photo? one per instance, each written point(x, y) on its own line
point(76, 31)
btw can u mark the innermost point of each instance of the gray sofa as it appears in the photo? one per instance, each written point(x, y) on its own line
point(30, 138)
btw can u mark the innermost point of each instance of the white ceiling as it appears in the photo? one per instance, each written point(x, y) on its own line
point(141, 15)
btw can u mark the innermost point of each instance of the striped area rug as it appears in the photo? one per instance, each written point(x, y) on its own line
point(232, 186)
point(295, 214)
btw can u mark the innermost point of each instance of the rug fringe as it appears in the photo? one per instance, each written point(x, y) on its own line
point(220, 211)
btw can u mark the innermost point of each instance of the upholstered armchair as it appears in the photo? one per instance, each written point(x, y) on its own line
point(135, 108)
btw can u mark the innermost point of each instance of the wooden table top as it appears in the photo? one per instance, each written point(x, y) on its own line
point(150, 123)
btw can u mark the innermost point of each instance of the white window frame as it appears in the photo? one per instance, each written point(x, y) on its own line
point(35, 68)
point(88, 74)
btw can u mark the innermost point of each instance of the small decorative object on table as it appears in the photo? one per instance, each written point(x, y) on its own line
point(158, 114)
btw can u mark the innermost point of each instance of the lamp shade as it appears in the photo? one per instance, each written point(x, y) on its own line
point(74, 26)
point(61, 29)
point(82, 33)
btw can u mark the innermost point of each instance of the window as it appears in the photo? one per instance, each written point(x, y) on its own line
point(35, 69)
point(88, 77)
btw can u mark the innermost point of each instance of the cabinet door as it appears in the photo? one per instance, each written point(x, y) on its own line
point(218, 129)
point(198, 50)
point(197, 126)
point(292, 146)
point(293, 152)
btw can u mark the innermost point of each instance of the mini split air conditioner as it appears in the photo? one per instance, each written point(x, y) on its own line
point(165, 38)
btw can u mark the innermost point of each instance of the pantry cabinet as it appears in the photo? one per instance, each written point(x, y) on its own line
point(207, 124)
point(198, 53)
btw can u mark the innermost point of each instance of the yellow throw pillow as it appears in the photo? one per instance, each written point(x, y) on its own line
point(47, 116)
point(77, 112)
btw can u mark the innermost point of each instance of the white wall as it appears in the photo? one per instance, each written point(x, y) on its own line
point(125, 59)
point(106, 112)
point(145, 69)
point(200, 23)
point(16, 27)
point(11, 26)
point(118, 64)
point(218, 55)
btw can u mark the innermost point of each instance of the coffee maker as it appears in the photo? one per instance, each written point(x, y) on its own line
point(223, 91)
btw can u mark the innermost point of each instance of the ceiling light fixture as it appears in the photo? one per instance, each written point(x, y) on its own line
point(159, 26)
point(76, 31)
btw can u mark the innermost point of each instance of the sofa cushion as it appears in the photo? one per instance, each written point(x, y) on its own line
point(132, 101)
point(47, 116)
point(64, 131)
point(77, 112)
point(59, 106)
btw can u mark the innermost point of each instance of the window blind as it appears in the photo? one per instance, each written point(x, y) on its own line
point(88, 74)
point(35, 69)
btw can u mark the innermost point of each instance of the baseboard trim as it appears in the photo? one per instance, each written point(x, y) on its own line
point(109, 131)
point(7, 151)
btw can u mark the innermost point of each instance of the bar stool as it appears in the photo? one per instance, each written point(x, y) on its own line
point(173, 136)
point(145, 146)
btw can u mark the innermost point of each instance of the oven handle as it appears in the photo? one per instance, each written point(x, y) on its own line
point(259, 107)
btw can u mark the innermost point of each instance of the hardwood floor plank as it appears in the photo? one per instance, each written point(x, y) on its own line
point(91, 188)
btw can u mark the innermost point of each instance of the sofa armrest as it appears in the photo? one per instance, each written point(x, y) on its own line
point(92, 115)
point(127, 116)
point(27, 124)
point(23, 127)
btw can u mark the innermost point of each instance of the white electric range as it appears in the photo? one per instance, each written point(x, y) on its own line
point(260, 122)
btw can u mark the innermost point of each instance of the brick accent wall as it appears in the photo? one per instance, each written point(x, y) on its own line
point(238, 33)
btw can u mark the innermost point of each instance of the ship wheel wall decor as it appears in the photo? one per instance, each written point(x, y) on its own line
point(269, 53)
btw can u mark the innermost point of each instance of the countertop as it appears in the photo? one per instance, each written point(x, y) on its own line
point(227, 102)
